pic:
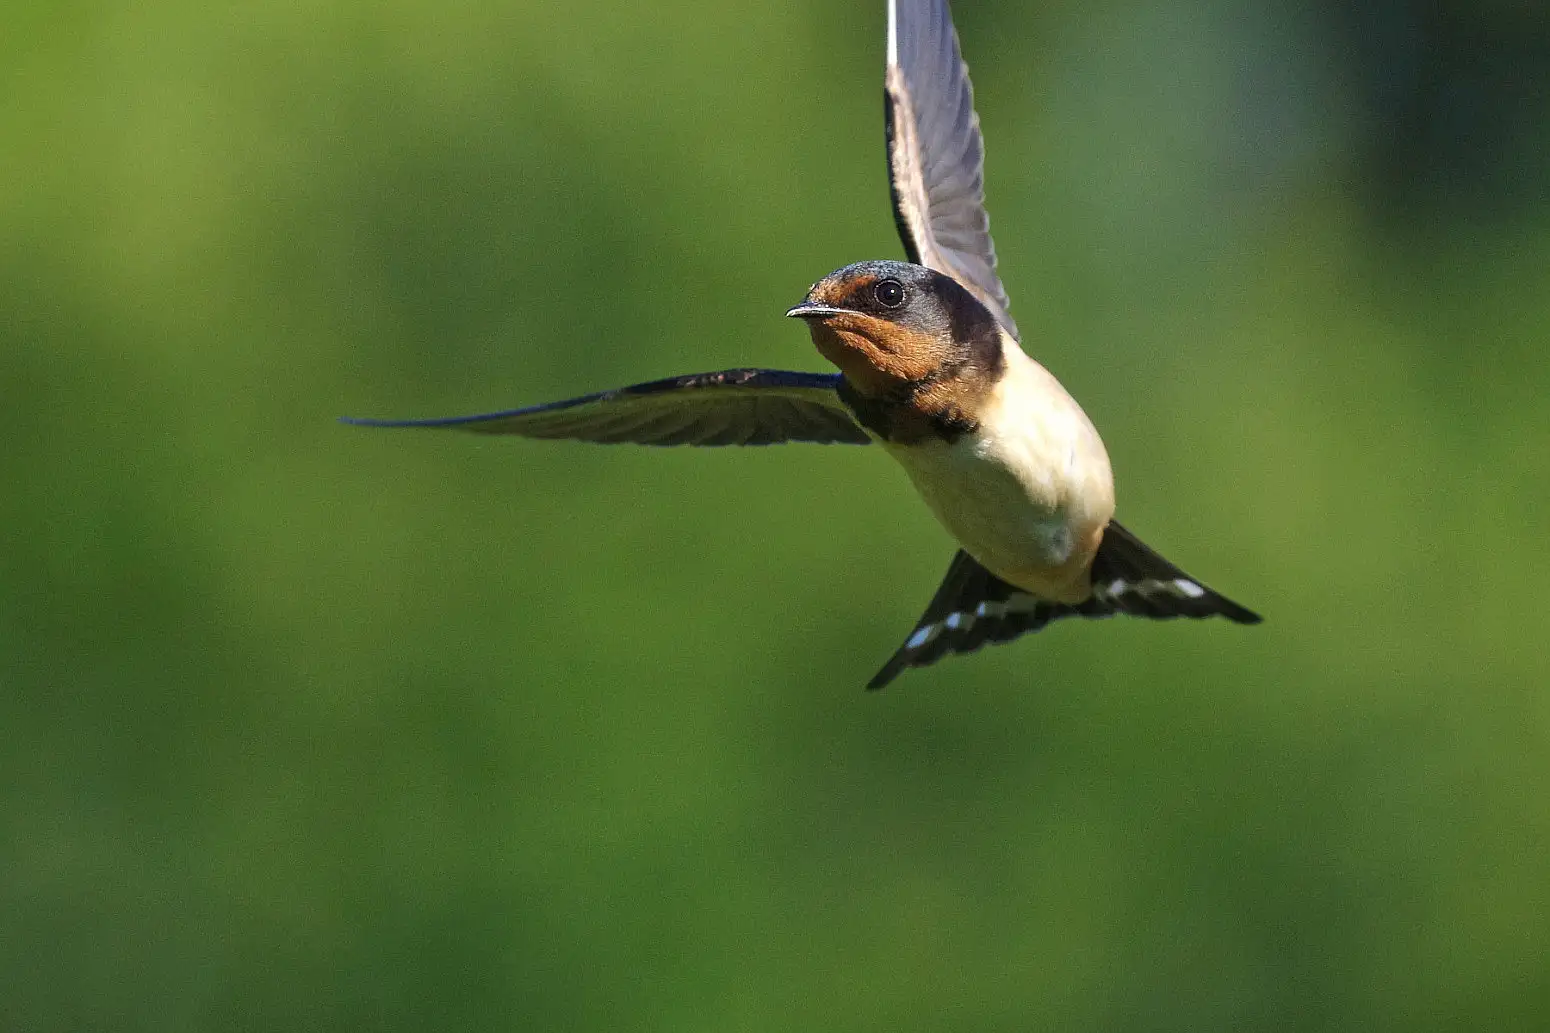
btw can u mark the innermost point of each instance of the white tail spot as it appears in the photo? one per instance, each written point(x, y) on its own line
point(1188, 588)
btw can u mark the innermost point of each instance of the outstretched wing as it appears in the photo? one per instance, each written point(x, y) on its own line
point(974, 607)
point(936, 156)
point(730, 407)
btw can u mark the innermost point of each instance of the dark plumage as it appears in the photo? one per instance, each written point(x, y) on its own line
point(731, 407)
point(973, 607)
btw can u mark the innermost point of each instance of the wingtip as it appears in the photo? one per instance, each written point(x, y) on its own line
point(435, 421)
point(893, 33)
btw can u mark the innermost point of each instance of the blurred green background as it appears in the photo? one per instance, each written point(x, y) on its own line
point(309, 727)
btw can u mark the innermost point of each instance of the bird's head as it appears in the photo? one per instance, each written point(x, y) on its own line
point(889, 325)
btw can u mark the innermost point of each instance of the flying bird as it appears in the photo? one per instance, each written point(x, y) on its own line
point(930, 369)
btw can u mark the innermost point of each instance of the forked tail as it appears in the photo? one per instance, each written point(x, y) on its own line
point(973, 607)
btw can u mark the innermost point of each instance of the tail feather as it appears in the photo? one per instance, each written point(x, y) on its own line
point(973, 607)
point(1128, 577)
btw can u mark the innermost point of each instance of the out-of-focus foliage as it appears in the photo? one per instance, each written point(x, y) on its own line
point(309, 727)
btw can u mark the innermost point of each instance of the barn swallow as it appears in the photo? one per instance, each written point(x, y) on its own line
point(931, 369)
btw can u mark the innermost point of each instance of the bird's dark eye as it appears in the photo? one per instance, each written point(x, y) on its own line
point(889, 293)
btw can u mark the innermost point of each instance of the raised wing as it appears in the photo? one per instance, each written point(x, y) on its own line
point(730, 407)
point(936, 156)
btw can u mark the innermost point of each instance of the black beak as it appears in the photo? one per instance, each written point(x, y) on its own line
point(813, 310)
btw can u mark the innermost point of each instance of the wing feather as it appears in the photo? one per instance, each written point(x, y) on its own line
point(729, 407)
point(936, 154)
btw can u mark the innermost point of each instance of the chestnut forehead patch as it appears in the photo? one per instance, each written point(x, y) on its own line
point(839, 290)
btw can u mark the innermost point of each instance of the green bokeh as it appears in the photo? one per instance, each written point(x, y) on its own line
point(314, 728)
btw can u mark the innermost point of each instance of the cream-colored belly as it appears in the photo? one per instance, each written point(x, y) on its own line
point(1029, 494)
